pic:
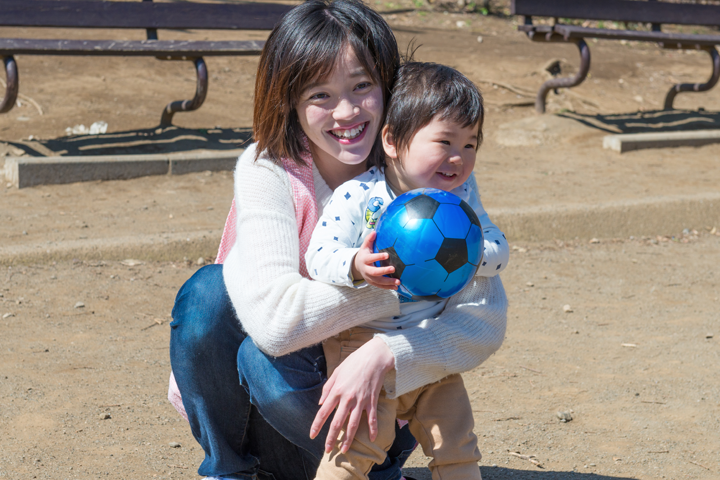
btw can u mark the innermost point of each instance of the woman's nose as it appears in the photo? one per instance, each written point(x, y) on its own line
point(345, 109)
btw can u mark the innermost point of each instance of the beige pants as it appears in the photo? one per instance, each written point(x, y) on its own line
point(440, 418)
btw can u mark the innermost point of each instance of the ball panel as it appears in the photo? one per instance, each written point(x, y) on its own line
point(471, 215)
point(422, 206)
point(452, 254)
point(407, 196)
point(394, 260)
point(418, 242)
point(457, 280)
point(452, 221)
point(475, 242)
point(424, 279)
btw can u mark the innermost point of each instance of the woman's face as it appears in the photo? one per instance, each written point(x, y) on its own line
point(341, 114)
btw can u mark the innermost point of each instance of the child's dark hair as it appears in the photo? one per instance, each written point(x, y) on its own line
point(305, 46)
point(424, 90)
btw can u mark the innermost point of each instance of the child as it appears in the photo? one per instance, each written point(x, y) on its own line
point(432, 133)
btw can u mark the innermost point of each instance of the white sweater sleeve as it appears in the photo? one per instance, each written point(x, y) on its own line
point(470, 329)
point(280, 310)
point(333, 245)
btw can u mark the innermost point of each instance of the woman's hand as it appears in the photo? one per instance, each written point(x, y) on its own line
point(363, 266)
point(354, 387)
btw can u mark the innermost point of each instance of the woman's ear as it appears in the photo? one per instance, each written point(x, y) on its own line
point(388, 143)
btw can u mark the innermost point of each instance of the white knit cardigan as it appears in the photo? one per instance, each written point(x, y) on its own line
point(284, 312)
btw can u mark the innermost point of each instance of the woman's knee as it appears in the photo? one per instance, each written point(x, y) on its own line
point(292, 381)
point(202, 313)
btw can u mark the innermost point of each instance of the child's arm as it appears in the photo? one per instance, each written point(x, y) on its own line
point(496, 252)
point(333, 255)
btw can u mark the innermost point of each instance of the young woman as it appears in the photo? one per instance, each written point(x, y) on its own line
point(323, 81)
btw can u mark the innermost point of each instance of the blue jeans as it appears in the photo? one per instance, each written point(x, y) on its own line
point(269, 436)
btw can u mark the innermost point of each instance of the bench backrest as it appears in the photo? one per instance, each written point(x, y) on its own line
point(140, 14)
point(641, 11)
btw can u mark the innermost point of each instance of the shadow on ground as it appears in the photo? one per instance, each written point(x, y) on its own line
point(500, 473)
point(136, 142)
point(649, 121)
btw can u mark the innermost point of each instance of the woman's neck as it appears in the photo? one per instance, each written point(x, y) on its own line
point(334, 172)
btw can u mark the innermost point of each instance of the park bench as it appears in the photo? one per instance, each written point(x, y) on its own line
point(653, 12)
point(144, 14)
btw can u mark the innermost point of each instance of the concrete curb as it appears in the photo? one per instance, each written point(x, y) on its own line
point(160, 247)
point(636, 141)
point(24, 172)
point(651, 216)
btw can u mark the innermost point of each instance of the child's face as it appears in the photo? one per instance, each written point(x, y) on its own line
point(440, 155)
point(341, 114)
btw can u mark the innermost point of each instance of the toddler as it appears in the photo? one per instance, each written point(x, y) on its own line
point(431, 136)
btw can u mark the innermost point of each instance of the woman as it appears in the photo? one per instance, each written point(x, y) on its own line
point(308, 143)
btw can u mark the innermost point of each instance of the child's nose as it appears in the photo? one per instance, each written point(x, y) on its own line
point(455, 158)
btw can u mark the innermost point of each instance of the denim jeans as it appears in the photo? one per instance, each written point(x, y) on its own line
point(265, 438)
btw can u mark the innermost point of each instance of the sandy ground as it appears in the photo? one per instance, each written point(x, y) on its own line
point(83, 388)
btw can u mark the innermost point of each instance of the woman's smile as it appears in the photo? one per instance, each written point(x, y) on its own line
point(348, 135)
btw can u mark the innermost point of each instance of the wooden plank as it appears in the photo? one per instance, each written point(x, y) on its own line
point(669, 39)
point(621, 10)
point(170, 48)
point(108, 14)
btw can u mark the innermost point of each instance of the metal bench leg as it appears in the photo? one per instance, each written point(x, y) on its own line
point(188, 105)
point(566, 82)
point(696, 87)
point(11, 90)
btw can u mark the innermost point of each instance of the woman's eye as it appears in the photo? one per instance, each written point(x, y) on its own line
point(319, 96)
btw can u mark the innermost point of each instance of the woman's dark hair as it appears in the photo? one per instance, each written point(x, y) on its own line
point(304, 47)
point(425, 90)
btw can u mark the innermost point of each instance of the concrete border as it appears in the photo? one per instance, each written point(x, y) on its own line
point(160, 247)
point(651, 216)
point(23, 172)
point(637, 141)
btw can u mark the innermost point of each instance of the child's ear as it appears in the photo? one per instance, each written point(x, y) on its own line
point(388, 143)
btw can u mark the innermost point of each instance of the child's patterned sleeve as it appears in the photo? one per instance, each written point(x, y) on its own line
point(496, 251)
point(335, 240)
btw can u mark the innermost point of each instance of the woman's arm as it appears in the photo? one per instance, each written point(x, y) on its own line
point(470, 329)
point(282, 311)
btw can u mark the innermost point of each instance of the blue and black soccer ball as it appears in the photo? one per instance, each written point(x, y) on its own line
point(434, 240)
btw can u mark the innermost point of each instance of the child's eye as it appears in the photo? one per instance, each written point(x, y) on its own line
point(470, 145)
point(319, 96)
point(445, 142)
point(363, 85)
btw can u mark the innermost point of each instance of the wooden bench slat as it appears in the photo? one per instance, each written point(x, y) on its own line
point(103, 14)
point(175, 48)
point(570, 31)
point(621, 11)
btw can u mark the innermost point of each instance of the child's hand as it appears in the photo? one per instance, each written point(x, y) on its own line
point(364, 266)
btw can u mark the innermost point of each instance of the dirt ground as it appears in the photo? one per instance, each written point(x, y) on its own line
point(84, 344)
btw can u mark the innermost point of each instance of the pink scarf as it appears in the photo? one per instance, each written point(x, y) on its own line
point(306, 213)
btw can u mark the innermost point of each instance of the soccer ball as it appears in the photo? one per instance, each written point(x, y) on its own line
point(434, 240)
